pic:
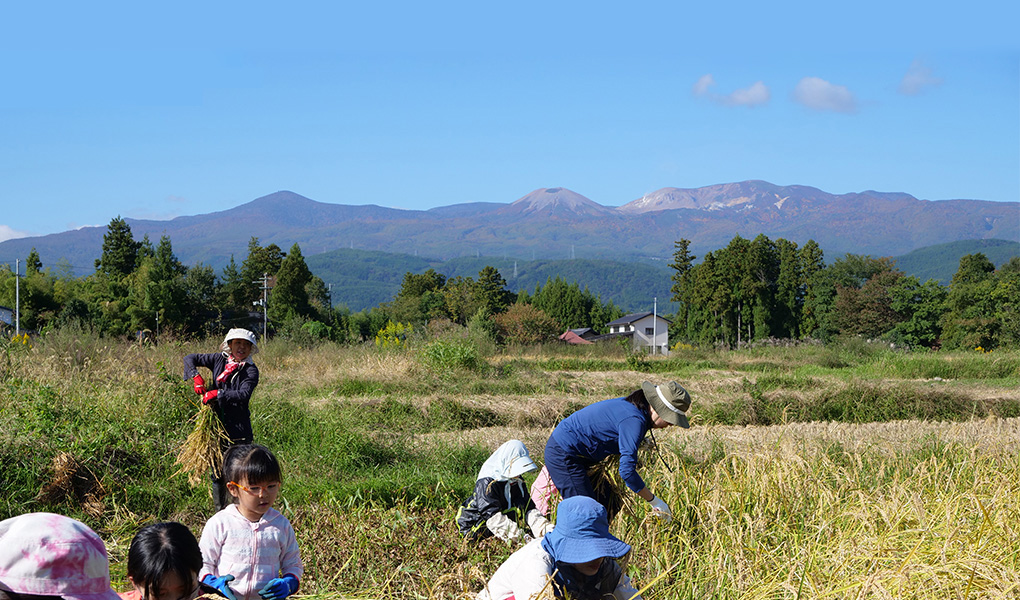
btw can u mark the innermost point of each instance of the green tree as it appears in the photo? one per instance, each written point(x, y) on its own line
point(120, 250)
point(290, 296)
point(763, 266)
point(969, 321)
point(234, 291)
point(524, 325)
point(415, 285)
point(460, 300)
point(490, 291)
point(32, 264)
point(420, 298)
point(260, 261)
point(682, 263)
point(162, 277)
point(816, 288)
point(1006, 297)
point(848, 272)
point(868, 310)
point(922, 306)
point(201, 289)
point(145, 249)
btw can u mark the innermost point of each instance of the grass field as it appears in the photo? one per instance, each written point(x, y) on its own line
point(848, 471)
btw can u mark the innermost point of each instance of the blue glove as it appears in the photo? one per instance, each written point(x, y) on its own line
point(279, 588)
point(220, 583)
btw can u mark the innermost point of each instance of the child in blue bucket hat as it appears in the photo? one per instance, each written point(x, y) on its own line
point(578, 555)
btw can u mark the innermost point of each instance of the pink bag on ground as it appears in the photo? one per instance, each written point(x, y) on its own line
point(543, 491)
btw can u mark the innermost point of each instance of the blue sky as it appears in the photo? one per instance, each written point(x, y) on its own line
point(119, 109)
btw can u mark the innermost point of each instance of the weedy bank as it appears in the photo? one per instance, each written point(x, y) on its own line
point(847, 471)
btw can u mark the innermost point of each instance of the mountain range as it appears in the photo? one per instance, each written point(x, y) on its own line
point(557, 223)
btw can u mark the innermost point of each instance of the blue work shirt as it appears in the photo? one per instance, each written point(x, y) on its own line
point(609, 427)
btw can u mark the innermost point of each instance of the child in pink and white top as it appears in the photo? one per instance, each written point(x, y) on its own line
point(249, 549)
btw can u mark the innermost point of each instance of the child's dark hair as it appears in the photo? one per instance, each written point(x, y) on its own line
point(159, 549)
point(250, 463)
point(637, 398)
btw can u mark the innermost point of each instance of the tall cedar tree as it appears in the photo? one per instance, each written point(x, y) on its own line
point(260, 261)
point(120, 250)
point(289, 298)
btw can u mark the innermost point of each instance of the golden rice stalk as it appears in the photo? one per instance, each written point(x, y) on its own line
point(604, 475)
point(202, 450)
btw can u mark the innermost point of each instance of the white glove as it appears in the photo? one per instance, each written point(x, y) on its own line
point(660, 509)
point(503, 527)
point(538, 523)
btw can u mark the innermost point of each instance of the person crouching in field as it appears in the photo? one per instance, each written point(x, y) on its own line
point(249, 544)
point(234, 378)
point(613, 427)
point(501, 505)
point(578, 556)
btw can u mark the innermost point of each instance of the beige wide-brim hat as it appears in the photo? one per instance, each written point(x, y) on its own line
point(670, 401)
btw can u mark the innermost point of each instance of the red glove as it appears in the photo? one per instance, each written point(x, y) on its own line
point(210, 395)
point(199, 385)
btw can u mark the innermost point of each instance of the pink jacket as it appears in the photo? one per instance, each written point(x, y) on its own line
point(254, 553)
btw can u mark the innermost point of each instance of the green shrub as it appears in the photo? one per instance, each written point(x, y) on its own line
point(442, 357)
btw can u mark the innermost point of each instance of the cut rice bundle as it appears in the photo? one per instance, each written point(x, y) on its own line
point(202, 450)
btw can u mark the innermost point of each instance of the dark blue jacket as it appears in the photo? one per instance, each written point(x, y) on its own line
point(603, 429)
point(231, 402)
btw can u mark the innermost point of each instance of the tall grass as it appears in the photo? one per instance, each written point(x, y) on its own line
point(936, 520)
point(790, 485)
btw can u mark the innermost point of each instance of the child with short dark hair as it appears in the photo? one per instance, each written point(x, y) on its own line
point(163, 564)
point(249, 543)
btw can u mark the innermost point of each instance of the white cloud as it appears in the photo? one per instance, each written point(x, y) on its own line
point(755, 95)
point(701, 87)
point(918, 77)
point(818, 94)
point(6, 233)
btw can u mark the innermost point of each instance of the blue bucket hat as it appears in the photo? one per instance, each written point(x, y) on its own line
point(582, 533)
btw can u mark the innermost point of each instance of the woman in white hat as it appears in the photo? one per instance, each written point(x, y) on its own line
point(234, 378)
point(614, 427)
point(578, 556)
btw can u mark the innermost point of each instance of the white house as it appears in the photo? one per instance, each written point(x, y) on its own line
point(646, 330)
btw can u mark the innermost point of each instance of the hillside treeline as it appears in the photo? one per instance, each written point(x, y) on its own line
point(748, 291)
point(138, 287)
point(756, 289)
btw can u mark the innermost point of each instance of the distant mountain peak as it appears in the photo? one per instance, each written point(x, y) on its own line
point(557, 201)
point(741, 196)
point(282, 196)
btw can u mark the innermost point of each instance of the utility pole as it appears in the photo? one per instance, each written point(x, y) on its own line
point(264, 282)
point(655, 323)
point(265, 305)
point(17, 296)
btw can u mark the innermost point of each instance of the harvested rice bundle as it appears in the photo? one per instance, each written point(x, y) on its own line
point(605, 475)
point(202, 450)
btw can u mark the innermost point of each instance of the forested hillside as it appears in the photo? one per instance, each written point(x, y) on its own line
point(362, 279)
point(941, 261)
